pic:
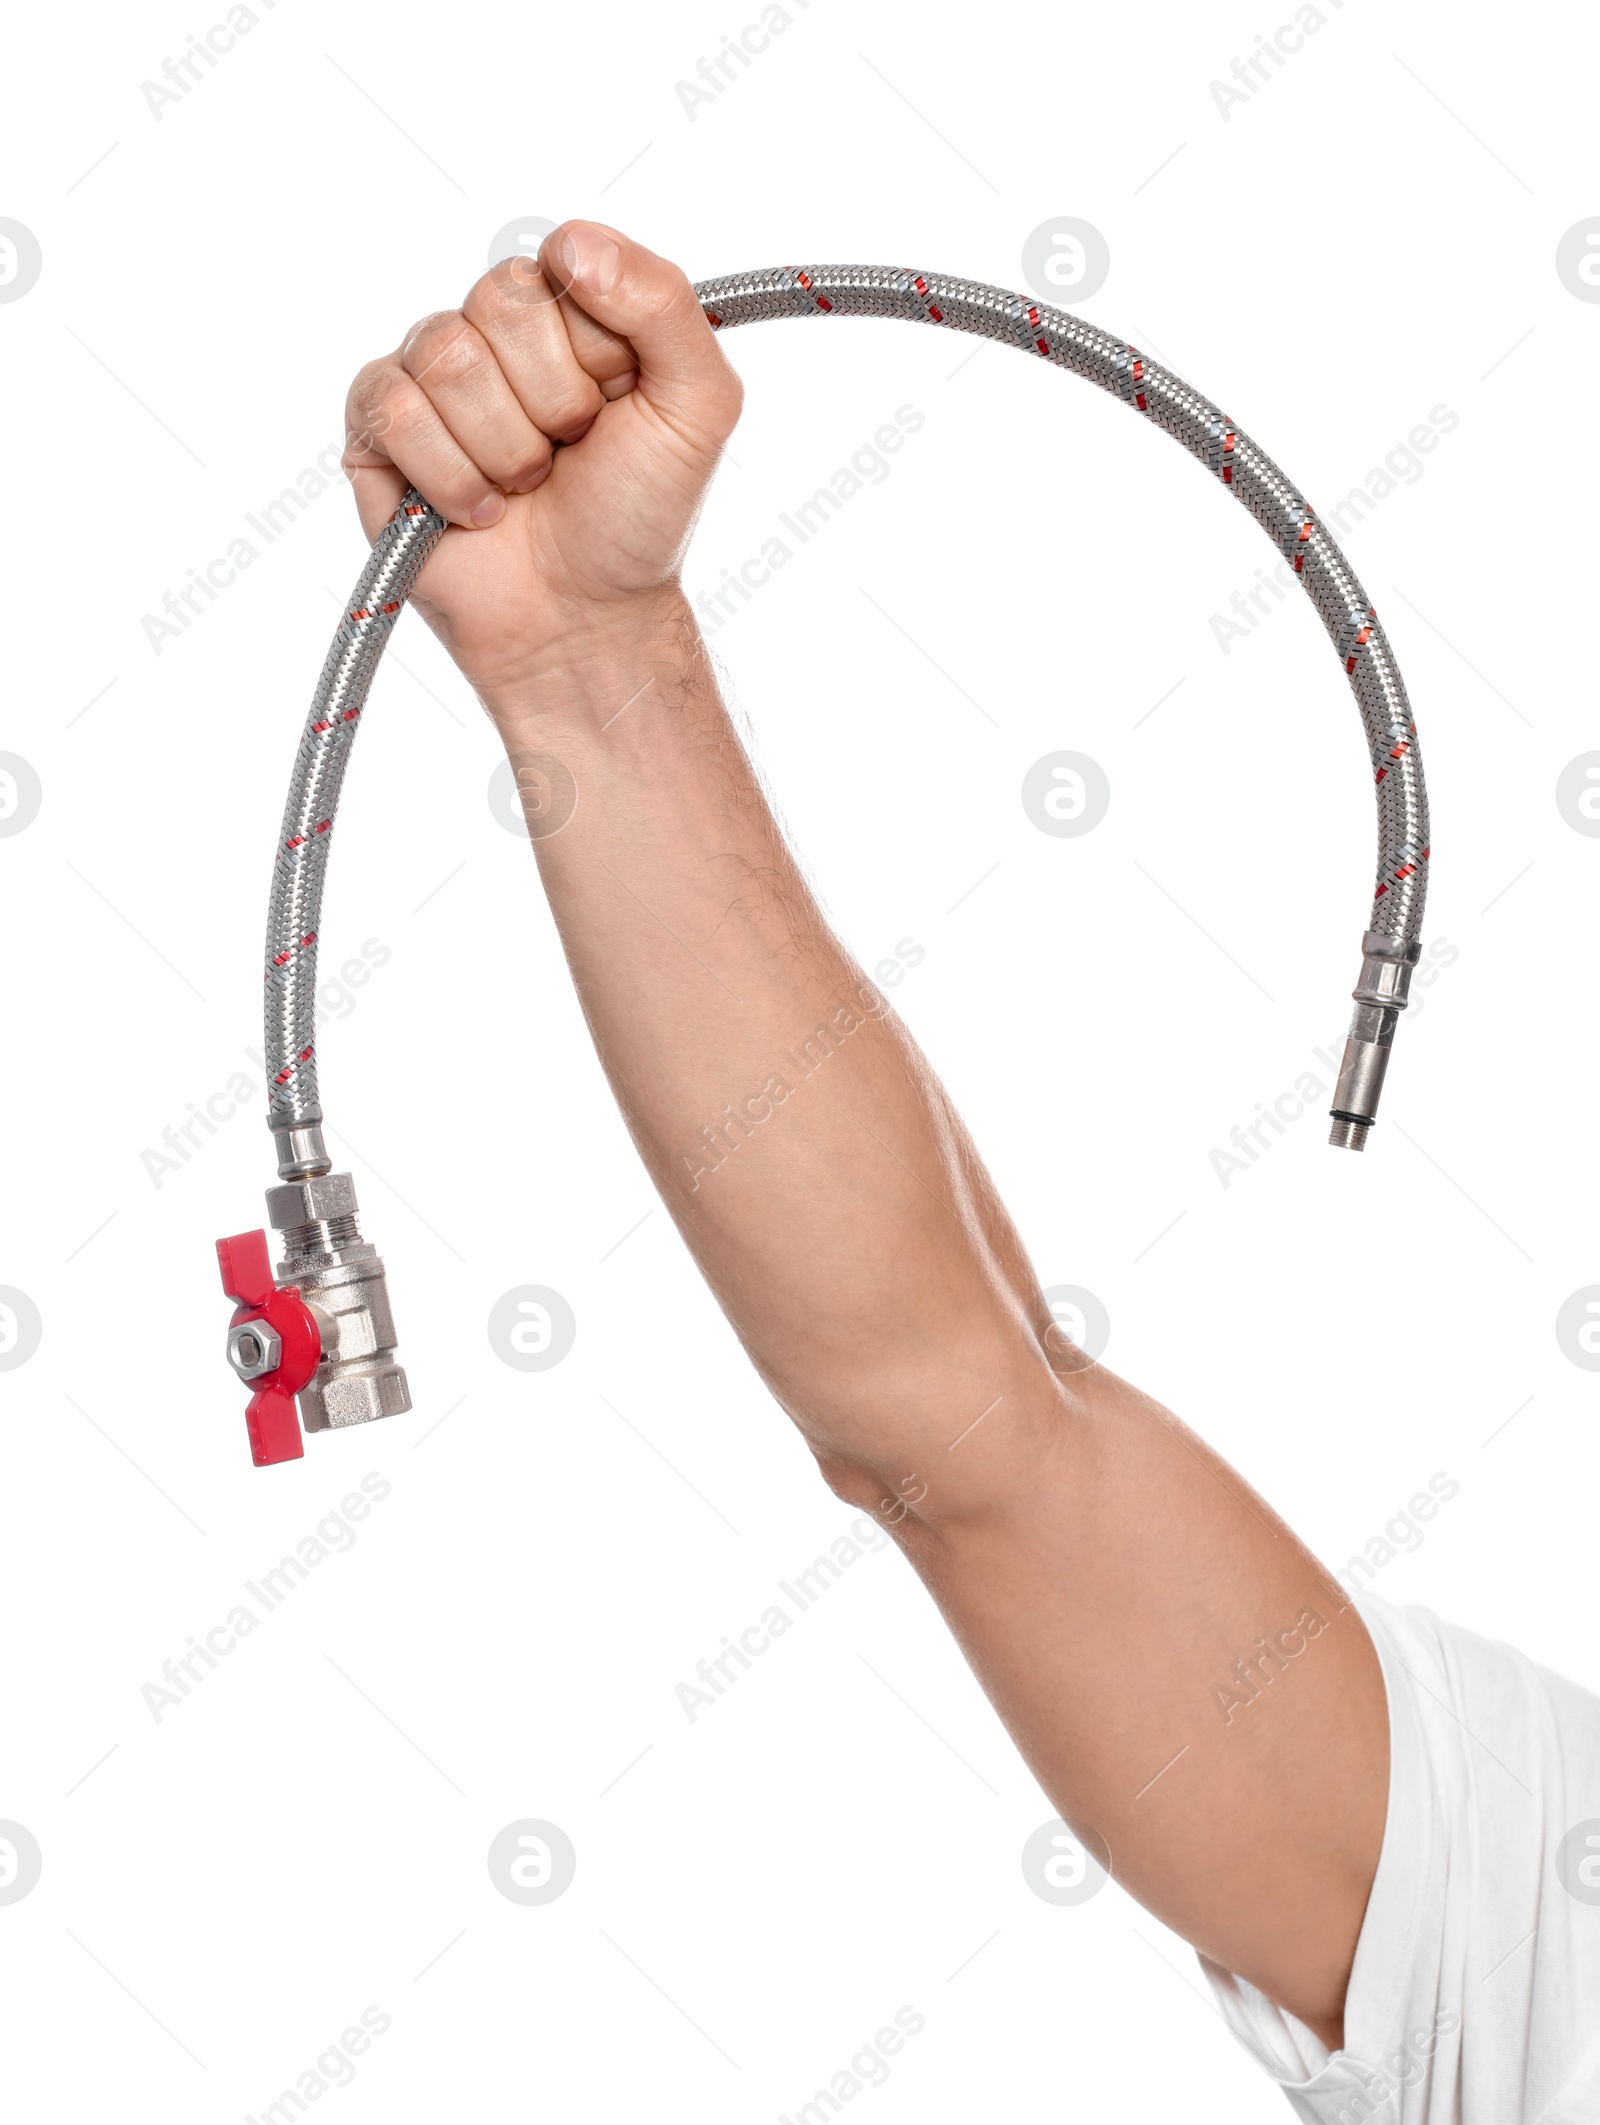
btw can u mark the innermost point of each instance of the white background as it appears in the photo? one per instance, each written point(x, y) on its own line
point(1370, 235)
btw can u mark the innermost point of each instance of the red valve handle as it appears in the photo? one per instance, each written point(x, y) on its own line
point(271, 1420)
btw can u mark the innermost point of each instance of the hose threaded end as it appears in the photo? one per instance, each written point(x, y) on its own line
point(319, 1237)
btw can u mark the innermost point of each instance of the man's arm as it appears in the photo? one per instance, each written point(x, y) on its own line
point(1107, 1576)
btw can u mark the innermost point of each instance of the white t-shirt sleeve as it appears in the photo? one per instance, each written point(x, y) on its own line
point(1475, 1995)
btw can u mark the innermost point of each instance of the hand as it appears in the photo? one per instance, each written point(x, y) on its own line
point(599, 347)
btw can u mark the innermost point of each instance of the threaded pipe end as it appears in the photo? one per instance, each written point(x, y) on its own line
point(1346, 1135)
point(319, 1236)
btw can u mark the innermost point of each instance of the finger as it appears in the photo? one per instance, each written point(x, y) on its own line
point(645, 300)
point(516, 310)
point(467, 388)
point(389, 421)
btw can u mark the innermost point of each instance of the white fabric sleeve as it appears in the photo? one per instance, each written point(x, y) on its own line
point(1475, 1994)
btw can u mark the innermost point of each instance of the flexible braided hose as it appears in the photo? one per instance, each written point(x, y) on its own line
point(295, 914)
point(1391, 943)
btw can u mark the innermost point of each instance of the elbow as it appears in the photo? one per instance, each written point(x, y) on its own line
point(951, 1440)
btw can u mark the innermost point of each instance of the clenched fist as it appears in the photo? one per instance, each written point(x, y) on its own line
point(565, 421)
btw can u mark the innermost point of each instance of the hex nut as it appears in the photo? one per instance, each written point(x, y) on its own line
point(254, 1349)
point(316, 1201)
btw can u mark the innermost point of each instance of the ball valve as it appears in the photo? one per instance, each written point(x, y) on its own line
point(319, 1329)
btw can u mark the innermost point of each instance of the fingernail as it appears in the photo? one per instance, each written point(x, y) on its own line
point(590, 259)
point(489, 511)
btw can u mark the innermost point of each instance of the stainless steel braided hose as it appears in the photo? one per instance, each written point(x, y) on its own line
point(356, 1376)
point(294, 917)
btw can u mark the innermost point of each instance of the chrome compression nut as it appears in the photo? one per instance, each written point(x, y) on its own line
point(342, 1282)
point(313, 1213)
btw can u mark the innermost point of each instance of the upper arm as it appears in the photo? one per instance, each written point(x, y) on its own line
point(1195, 1693)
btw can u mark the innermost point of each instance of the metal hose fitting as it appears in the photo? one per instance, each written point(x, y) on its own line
point(1380, 996)
point(317, 1247)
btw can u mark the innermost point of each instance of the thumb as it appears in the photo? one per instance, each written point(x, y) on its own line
point(649, 302)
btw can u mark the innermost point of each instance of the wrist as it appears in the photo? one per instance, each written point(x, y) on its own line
point(596, 670)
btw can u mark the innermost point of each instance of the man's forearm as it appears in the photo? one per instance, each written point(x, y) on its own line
point(812, 1161)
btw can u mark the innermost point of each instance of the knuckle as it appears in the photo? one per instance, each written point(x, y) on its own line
point(455, 484)
point(516, 283)
point(528, 472)
point(569, 403)
point(532, 462)
point(411, 423)
point(370, 378)
point(440, 347)
point(369, 406)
